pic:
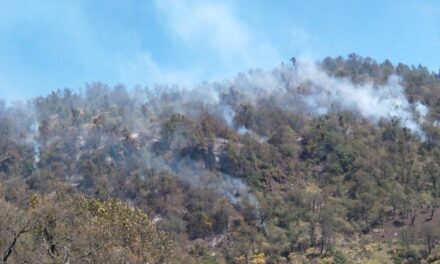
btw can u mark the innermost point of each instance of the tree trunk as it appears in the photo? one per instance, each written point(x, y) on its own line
point(322, 247)
point(11, 247)
point(413, 218)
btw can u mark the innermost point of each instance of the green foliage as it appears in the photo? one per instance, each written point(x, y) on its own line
point(308, 184)
point(75, 228)
point(339, 257)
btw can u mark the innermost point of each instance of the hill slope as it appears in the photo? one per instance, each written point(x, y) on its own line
point(332, 161)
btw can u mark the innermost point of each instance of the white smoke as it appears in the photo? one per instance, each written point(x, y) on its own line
point(304, 88)
point(22, 126)
point(374, 102)
point(193, 172)
point(36, 145)
point(236, 190)
point(245, 131)
point(307, 88)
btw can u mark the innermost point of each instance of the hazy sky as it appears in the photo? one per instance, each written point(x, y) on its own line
point(47, 45)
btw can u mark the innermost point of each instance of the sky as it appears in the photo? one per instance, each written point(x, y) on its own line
point(47, 45)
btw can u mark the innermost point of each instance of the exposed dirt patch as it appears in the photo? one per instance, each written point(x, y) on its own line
point(393, 224)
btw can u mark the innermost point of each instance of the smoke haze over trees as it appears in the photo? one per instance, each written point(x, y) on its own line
point(336, 160)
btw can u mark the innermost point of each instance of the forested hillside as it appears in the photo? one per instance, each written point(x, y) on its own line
point(336, 161)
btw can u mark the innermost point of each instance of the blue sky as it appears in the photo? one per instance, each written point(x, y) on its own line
point(51, 44)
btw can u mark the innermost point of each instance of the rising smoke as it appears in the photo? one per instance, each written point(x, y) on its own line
point(374, 102)
point(33, 139)
point(304, 89)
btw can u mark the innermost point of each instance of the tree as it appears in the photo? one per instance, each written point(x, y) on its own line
point(430, 235)
point(407, 237)
point(412, 205)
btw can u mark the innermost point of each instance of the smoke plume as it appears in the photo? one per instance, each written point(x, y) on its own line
point(305, 88)
point(115, 116)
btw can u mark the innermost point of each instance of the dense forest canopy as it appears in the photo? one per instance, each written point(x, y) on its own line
point(336, 161)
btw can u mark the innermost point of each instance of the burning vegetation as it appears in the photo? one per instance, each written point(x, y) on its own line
point(308, 162)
